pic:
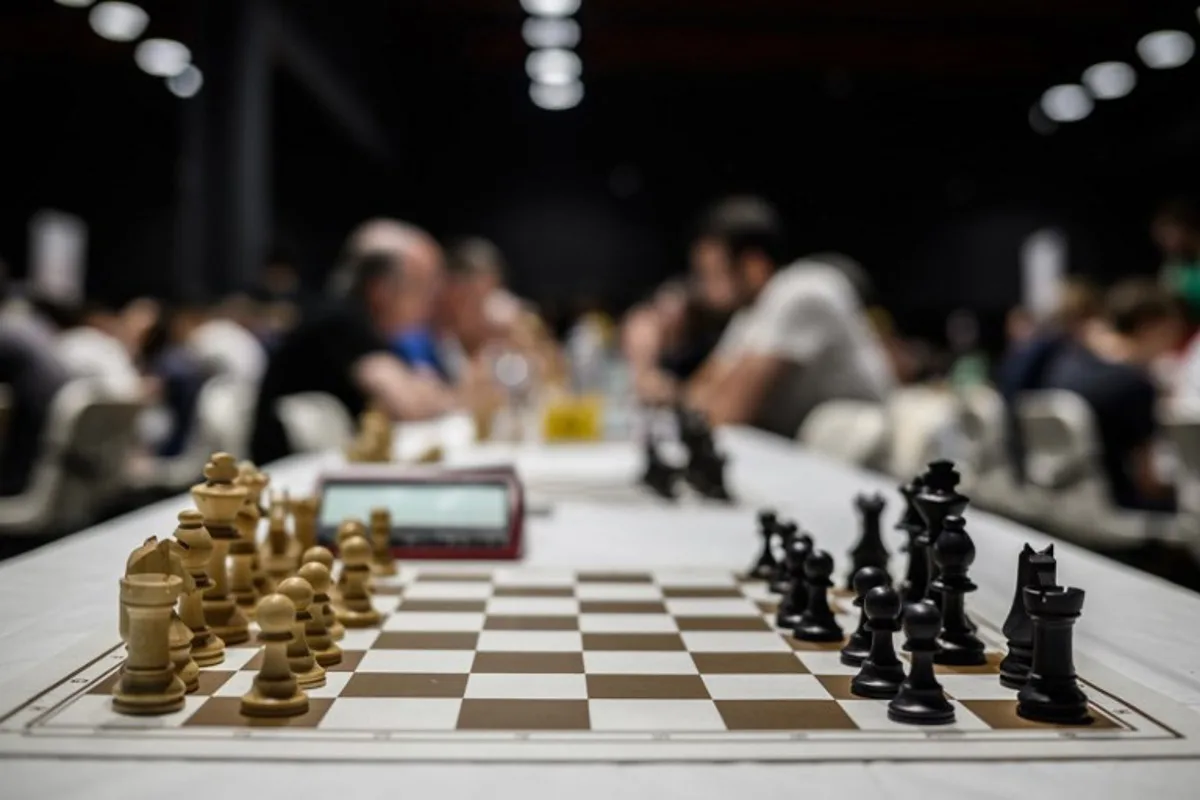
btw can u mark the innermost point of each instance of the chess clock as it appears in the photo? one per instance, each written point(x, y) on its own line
point(437, 513)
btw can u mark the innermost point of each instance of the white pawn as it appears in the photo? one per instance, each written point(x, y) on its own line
point(309, 674)
point(276, 692)
point(355, 609)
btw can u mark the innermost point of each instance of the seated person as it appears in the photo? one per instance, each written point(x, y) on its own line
point(478, 317)
point(345, 352)
point(1109, 367)
point(800, 337)
point(1024, 366)
point(30, 367)
point(95, 348)
point(669, 337)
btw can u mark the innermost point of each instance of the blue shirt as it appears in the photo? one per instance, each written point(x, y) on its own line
point(417, 348)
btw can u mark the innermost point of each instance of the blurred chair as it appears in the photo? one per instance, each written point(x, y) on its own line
point(82, 464)
point(223, 414)
point(1184, 432)
point(987, 475)
point(853, 431)
point(315, 422)
point(1068, 489)
point(916, 416)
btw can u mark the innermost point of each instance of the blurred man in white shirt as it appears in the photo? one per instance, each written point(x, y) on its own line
point(800, 337)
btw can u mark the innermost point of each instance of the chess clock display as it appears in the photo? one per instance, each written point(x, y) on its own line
point(436, 513)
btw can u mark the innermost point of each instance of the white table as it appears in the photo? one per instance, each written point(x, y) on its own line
point(59, 595)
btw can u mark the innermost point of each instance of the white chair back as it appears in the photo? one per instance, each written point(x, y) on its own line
point(42, 505)
point(315, 422)
point(853, 431)
point(1063, 465)
point(916, 417)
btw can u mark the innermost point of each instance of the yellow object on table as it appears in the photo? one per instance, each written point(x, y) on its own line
point(573, 419)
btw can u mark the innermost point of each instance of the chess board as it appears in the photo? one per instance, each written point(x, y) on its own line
point(520, 664)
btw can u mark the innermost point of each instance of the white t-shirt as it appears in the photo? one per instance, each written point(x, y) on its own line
point(90, 353)
point(229, 349)
point(810, 317)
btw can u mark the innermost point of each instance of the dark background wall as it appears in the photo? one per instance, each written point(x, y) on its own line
point(900, 137)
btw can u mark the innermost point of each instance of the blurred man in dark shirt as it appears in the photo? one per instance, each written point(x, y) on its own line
point(346, 352)
point(1032, 350)
point(1110, 368)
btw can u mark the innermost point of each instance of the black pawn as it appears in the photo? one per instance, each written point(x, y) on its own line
point(817, 623)
point(954, 552)
point(916, 577)
point(781, 580)
point(937, 500)
point(881, 673)
point(768, 526)
point(870, 550)
point(1034, 568)
point(795, 600)
point(859, 646)
point(1052, 693)
point(660, 477)
point(921, 700)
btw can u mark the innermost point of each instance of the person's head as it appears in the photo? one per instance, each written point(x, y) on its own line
point(1176, 229)
point(738, 245)
point(422, 258)
point(472, 308)
point(376, 286)
point(1145, 316)
point(1079, 302)
point(1019, 325)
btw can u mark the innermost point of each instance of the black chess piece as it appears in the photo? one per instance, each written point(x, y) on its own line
point(937, 500)
point(1052, 693)
point(921, 700)
point(859, 645)
point(659, 476)
point(916, 577)
point(870, 550)
point(768, 525)
point(795, 599)
point(881, 673)
point(705, 467)
point(1034, 568)
point(954, 552)
point(781, 580)
point(817, 623)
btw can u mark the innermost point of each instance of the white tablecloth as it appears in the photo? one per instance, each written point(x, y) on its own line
point(59, 595)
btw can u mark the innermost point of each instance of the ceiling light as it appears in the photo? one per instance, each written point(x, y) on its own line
point(550, 32)
point(1069, 102)
point(556, 97)
point(118, 22)
point(162, 57)
point(1109, 80)
point(186, 83)
point(75, 3)
point(1166, 49)
point(553, 66)
point(550, 8)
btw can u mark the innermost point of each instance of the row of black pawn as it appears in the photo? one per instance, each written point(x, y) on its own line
point(804, 609)
point(1048, 690)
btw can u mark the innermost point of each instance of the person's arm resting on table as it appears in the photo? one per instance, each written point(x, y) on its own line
point(402, 393)
point(642, 341)
point(784, 329)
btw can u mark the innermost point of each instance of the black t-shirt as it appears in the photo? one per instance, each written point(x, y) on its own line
point(318, 356)
point(1123, 399)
